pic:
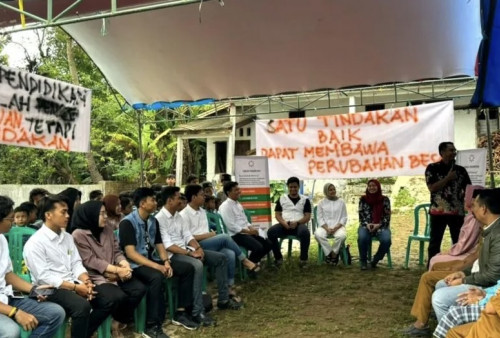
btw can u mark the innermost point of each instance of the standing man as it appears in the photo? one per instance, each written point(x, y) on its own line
point(139, 236)
point(53, 259)
point(293, 211)
point(42, 318)
point(446, 182)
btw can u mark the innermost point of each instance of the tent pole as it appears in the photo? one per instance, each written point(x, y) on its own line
point(490, 152)
point(141, 155)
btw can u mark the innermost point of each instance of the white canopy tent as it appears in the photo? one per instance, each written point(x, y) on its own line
point(265, 47)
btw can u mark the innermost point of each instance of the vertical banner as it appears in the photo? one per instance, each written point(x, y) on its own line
point(390, 142)
point(44, 113)
point(252, 175)
point(474, 161)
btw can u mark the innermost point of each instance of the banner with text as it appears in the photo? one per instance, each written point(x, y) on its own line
point(252, 175)
point(474, 161)
point(40, 112)
point(392, 142)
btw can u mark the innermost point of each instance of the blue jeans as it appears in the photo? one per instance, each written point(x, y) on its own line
point(446, 296)
point(225, 244)
point(365, 240)
point(212, 259)
point(49, 315)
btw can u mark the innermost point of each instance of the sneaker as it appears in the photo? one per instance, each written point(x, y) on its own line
point(413, 331)
point(229, 305)
point(181, 318)
point(154, 331)
point(204, 319)
point(364, 266)
point(374, 264)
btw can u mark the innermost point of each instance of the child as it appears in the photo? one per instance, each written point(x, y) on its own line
point(20, 216)
point(209, 207)
point(208, 188)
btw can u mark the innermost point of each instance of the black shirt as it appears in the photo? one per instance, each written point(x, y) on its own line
point(127, 233)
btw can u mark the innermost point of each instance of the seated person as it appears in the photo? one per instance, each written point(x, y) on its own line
point(33, 220)
point(221, 195)
point(472, 302)
point(332, 219)
point(209, 206)
point(96, 195)
point(488, 324)
point(484, 273)
point(182, 247)
point(238, 227)
point(20, 217)
point(107, 266)
point(183, 201)
point(293, 211)
point(139, 235)
point(36, 195)
point(468, 238)
point(127, 203)
point(42, 318)
point(74, 290)
point(113, 210)
point(374, 221)
point(192, 179)
point(208, 188)
point(195, 219)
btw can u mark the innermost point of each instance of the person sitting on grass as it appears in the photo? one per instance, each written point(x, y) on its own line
point(108, 268)
point(40, 317)
point(195, 219)
point(20, 216)
point(484, 273)
point(292, 212)
point(374, 221)
point(332, 219)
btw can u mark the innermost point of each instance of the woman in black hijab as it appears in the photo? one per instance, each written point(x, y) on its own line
point(107, 266)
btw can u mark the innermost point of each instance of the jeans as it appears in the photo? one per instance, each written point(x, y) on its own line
point(277, 231)
point(446, 296)
point(225, 244)
point(365, 239)
point(212, 259)
point(49, 315)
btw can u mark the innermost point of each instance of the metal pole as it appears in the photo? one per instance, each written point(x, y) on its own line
point(490, 152)
point(141, 155)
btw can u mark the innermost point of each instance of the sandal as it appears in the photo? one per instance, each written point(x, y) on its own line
point(235, 297)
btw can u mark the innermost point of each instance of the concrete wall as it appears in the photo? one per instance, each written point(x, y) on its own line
point(20, 192)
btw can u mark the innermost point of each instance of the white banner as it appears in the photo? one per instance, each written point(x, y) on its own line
point(393, 142)
point(474, 161)
point(40, 112)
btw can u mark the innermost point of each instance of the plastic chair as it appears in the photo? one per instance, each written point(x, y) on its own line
point(104, 330)
point(24, 333)
point(217, 220)
point(172, 302)
point(61, 332)
point(321, 254)
point(422, 238)
point(17, 238)
point(140, 316)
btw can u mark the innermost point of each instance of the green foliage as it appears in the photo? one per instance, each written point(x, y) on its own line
point(382, 180)
point(404, 198)
point(277, 189)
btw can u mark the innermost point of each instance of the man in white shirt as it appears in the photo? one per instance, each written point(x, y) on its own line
point(292, 211)
point(238, 227)
point(42, 318)
point(196, 219)
point(53, 259)
point(183, 247)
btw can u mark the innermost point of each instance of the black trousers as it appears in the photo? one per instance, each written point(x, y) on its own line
point(277, 231)
point(85, 316)
point(125, 297)
point(258, 246)
point(154, 280)
point(438, 226)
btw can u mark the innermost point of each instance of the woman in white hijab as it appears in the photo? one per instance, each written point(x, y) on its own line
point(332, 218)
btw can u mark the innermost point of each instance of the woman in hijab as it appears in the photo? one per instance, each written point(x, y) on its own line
point(464, 252)
point(73, 197)
point(113, 210)
point(374, 220)
point(107, 267)
point(331, 219)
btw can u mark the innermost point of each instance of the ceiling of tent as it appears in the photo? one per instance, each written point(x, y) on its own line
point(266, 47)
